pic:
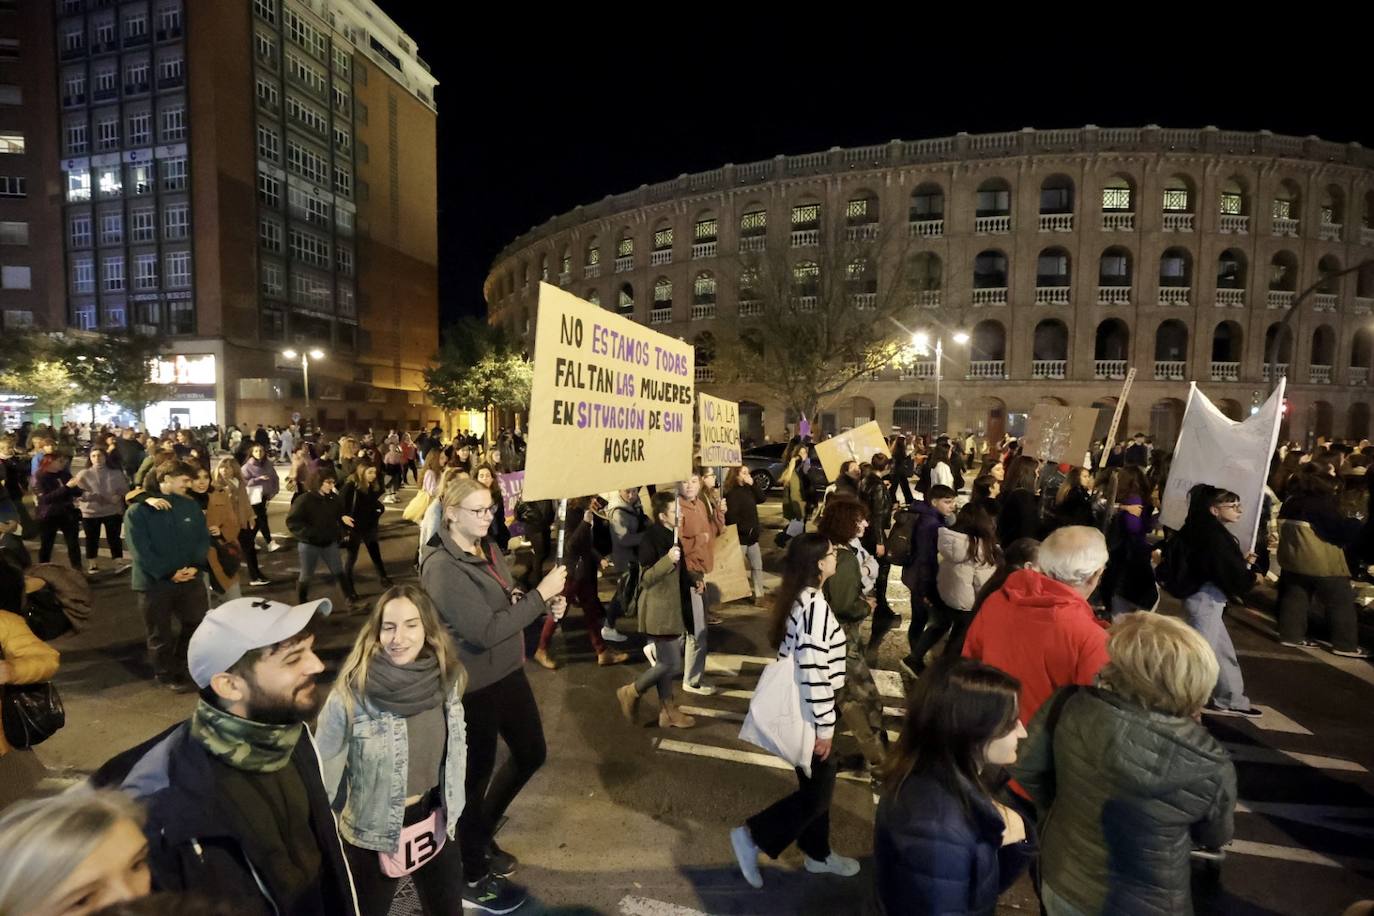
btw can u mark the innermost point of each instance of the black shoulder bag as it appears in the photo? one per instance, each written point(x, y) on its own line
point(30, 713)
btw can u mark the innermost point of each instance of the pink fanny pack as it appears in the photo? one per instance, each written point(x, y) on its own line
point(420, 842)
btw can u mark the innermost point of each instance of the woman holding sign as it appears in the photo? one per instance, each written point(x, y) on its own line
point(393, 752)
point(467, 577)
point(697, 531)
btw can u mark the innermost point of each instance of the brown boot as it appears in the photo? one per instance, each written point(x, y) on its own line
point(542, 657)
point(629, 702)
point(669, 716)
point(611, 657)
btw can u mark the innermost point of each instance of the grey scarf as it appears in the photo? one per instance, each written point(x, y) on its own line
point(404, 690)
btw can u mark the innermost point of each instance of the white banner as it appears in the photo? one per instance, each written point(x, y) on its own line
point(1234, 455)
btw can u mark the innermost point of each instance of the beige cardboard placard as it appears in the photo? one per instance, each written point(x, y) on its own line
point(611, 402)
point(718, 420)
point(859, 444)
point(728, 580)
point(1059, 434)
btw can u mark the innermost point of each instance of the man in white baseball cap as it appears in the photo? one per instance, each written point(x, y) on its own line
point(236, 805)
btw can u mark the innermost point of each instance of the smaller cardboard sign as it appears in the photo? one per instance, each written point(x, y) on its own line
point(729, 579)
point(859, 444)
point(1059, 434)
point(718, 421)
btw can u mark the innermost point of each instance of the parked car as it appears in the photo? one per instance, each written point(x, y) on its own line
point(765, 464)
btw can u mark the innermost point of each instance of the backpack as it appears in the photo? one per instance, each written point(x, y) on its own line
point(628, 591)
point(1172, 573)
point(899, 539)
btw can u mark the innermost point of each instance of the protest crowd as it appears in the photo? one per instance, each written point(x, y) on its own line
point(1055, 721)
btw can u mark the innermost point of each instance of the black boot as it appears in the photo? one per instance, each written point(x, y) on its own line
point(346, 583)
point(302, 590)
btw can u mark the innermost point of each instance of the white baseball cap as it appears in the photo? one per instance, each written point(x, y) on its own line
point(237, 627)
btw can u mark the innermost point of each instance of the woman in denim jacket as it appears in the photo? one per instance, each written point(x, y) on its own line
point(394, 751)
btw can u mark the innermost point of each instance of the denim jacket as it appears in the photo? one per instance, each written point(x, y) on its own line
point(364, 758)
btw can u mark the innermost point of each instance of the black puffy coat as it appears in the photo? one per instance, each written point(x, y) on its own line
point(316, 519)
point(934, 859)
point(1124, 795)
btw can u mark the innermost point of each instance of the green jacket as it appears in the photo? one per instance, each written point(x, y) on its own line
point(844, 590)
point(165, 540)
point(793, 502)
point(662, 586)
point(1124, 795)
point(1302, 550)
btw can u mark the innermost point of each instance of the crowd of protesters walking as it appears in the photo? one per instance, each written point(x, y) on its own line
point(1055, 722)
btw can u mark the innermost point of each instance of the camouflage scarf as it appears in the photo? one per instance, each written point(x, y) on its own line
point(244, 745)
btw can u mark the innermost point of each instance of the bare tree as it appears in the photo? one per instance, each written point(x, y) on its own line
point(820, 310)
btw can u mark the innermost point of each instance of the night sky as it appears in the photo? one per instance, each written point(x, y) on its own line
point(535, 119)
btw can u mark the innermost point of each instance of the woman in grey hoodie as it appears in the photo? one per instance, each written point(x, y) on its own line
point(102, 505)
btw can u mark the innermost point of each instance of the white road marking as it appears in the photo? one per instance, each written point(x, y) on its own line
point(1267, 625)
point(1275, 721)
point(1250, 753)
point(1334, 818)
point(643, 906)
point(727, 663)
point(752, 758)
point(1287, 853)
point(1276, 656)
point(889, 684)
point(713, 713)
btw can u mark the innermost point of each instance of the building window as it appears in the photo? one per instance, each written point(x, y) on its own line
point(176, 221)
point(74, 89)
point(14, 232)
point(343, 258)
point(104, 33)
point(181, 316)
point(13, 276)
point(268, 97)
point(73, 40)
point(140, 179)
point(754, 223)
point(11, 142)
point(140, 129)
point(112, 274)
point(105, 84)
point(145, 271)
point(663, 239)
point(178, 269)
point(112, 229)
point(308, 206)
point(142, 226)
point(343, 181)
point(343, 61)
point(265, 48)
point(343, 220)
point(78, 185)
point(269, 234)
point(17, 318)
point(11, 94)
point(135, 27)
point(1176, 200)
point(107, 134)
point(174, 123)
point(593, 256)
point(83, 316)
point(75, 136)
point(272, 283)
point(307, 163)
point(342, 140)
point(266, 10)
point(310, 249)
point(135, 77)
point(1283, 209)
point(806, 216)
point(171, 71)
point(174, 174)
point(625, 248)
point(341, 102)
point(13, 186)
point(1232, 203)
point(311, 118)
point(305, 73)
point(83, 275)
point(110, 182)
point(168, 22)
point(269, 190)
point(269, 144)
point(305, 35)
point(310, 292)
point(80, 233)
point(705, 230)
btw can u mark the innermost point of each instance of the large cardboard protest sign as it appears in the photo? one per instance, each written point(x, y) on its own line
point(1232, 454)
point(728, 579)
point(718, 423)
point(1059, 434)
point(859, 444)
point(611, 403)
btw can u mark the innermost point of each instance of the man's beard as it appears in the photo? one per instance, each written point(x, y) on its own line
point(285, 710)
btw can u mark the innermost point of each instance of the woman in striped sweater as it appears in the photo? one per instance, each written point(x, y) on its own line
point(804, 624)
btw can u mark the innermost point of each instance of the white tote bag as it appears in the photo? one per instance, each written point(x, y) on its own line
point(776, 720)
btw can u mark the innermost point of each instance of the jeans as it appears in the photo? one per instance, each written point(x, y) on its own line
point(584, 594)
point(696, 641)
point(505, 708)
point(439, 882)
point(184, 602)
point(802, 817)
point(112, 524)
point(311, 556)
point(1296, 592)
point(49, 528)
point(1055, 905)
point(753, 559)
point(665, 670)
point(1205, 610)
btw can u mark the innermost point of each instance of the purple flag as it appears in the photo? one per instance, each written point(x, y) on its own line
point(804, 427)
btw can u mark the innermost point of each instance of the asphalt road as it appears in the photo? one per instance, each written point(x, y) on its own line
point(635, 820)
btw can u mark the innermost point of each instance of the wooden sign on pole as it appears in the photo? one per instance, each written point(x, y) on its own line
point(1116, 417)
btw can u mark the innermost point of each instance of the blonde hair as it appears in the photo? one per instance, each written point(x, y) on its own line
point(1160, 663)
point(458, 489)
point(43, 840)
point(348, 448)
point(221, 476)
point(351, 684)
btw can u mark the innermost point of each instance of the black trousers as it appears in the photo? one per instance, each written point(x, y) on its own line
point(880, 586)
point(802, 817)
point(905, 485)
point(262, 528)
point(439, 882)
point(112, 524)
point(1296, 594)
point(374, 551)
point(69, 527)
point(934, 625)
point(505, 709)
point(247, 544)
point(182, 602)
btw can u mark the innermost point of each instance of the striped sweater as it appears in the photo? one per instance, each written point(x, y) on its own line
point(819, 642)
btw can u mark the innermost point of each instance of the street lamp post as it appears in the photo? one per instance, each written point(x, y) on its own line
point(315, 353)
point(921, 341)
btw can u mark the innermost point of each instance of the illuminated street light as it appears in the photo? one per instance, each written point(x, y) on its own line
point(315, 353)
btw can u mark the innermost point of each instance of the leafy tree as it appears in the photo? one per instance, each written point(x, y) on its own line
point(479, 366)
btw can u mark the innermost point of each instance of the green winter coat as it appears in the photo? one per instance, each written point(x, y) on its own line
point(793, 502)
point(844, 589)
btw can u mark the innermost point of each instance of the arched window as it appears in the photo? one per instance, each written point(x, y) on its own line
point(1178, 194)
point(1171, 350)
point(927, 205)
point(1283, 271)
point(1056, 195)
point(1050, 354)
point(1332, 213)
point(993, 198)
point(862, 209)
point(1287, 208)
point(1052, 268)
point(663, 236)
point(593, 297)
point(1278, 339)
point(544, 268)
point(593, 260)
point(1227, 351)
point(663, 293)
point(990, 270)
point(1231, 269)
point(1175, 276)
point(625, 301)
point(1111, 349)
point(988, 341)
point(1118, 197)
point(1322, 356)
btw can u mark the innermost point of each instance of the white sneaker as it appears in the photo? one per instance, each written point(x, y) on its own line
point(651, 653)
point(702, 689)
point(123, 566)
point(747, 855)
point(834, 864)
point(274, 547)
point(611, 634)
point(92, 568)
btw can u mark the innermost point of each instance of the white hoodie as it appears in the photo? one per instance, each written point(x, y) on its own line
point(959, 579)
